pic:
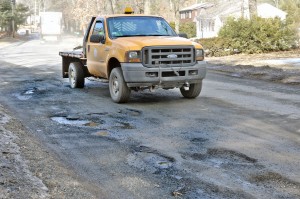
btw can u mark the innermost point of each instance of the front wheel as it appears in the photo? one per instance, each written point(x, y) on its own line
point(118, 89)
point(76, 75)
point(193, 92)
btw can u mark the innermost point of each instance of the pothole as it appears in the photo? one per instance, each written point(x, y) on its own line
point(199, 140)
point(73, 121)
point(131, 112)
point(275, 178)
point(221, 157)
point(150, 160)
point(27, 94)
point(30, 91)
point(279, 185)
point(125, 125)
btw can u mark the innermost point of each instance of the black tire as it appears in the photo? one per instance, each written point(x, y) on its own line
point(193, 92)
point(118, 89)
point(76, 75)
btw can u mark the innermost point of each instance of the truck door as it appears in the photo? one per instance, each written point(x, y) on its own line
point(96, 53)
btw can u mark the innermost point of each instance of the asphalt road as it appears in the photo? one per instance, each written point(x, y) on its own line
point(239, 139)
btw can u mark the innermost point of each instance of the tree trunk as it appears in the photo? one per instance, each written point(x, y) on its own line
point(252, 8)
point(147, 7)
point(112, 7)
point(175, 4)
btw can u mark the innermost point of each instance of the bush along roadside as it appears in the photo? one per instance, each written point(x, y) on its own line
point(257, 35)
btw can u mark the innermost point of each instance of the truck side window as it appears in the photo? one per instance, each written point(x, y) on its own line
point(99, 28)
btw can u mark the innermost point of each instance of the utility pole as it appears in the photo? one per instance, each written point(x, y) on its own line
point(13, 3)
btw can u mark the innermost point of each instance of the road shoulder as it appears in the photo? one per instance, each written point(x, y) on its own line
point(29, 171)
point(282, 67)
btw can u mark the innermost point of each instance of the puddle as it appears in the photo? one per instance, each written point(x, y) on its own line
point(163, 164)
point(22, 97)
point(26, 95)
point(73, 122)
point(30, 91)
point(236, 75)
point(101, 133)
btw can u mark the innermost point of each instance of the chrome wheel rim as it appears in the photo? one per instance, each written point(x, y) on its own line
point(115, 86)
point(72, 77)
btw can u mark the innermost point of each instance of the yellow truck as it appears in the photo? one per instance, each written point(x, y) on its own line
point(136, 52)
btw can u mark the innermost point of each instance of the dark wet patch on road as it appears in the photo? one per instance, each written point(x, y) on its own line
point(199, 140)
point(98, 114)
point(130, 112)
point(277, 183)
point(245, 170)
point(125, 125)
point(150, 160)
point(219, 157)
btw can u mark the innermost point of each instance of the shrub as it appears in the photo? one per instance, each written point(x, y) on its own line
point(216, 46)
point(188, 27)
point(258, 35)
point(172, 24)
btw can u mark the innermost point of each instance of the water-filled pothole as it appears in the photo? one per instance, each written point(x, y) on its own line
point(73, 121)
point(27, 94)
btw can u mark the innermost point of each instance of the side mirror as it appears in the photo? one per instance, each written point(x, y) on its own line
point(184, 35)
point(97, 38)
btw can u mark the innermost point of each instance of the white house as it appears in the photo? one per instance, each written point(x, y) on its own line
point(210, 20)
point(266, 10)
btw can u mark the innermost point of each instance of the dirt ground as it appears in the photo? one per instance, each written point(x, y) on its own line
point(28, 170)
point(283, 67)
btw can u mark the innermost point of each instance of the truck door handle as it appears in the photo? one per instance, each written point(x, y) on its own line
point(89, 48)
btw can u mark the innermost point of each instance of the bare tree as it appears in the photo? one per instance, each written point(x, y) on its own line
point(112, 6)
point(252, 8)
point(176, 6)
point(147, 7)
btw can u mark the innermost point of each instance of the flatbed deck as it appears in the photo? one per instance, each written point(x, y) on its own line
point(74, 54)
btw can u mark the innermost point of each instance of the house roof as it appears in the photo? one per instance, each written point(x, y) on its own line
point(266, 10)
point(197, 6)
point(234, 9)
point(222, 10)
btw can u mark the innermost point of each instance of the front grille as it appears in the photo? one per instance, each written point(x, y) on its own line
point(168, 56)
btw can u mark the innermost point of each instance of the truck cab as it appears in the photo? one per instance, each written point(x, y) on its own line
point(136, 52)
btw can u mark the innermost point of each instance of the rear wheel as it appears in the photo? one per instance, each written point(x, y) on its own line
point(193, 92)
point(76, 75)
point(118, 89)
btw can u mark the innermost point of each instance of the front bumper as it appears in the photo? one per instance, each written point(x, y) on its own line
point(137, 75)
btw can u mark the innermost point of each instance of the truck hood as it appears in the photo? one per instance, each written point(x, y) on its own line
point(137, 43)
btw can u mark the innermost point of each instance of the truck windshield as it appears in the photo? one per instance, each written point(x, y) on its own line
point(138, 26)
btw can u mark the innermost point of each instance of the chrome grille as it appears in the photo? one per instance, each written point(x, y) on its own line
point(165, 56)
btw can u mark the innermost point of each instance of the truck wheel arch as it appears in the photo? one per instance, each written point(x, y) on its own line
point(112, 63)
point(66, 61)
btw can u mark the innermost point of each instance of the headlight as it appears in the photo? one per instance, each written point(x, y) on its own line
point(133, 56)
point(199, 54)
